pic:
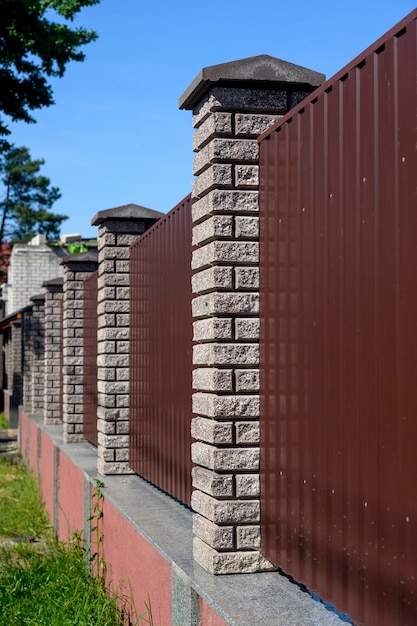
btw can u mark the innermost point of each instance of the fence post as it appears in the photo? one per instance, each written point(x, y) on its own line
point(14, 370)
point(77, 267)
point(53, 342)
point(38, 352)
point(27, 356)
point(118, 228)
point(232, 104)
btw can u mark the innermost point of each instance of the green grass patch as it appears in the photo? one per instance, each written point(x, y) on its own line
point(52, 588)
point(21, 509)
point(46, 582)
point(4, 424)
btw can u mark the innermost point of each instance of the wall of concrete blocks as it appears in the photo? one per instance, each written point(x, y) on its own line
point(30, 265)
point(231, 105)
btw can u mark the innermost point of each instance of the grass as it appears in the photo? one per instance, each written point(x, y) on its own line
point(4, 424)
point(44, 582)
point(21, 510)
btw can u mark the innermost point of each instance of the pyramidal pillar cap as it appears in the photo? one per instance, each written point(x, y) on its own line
point(126, 212)
point(258, 72)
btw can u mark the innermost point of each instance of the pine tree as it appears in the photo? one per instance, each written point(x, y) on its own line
point(27, 198)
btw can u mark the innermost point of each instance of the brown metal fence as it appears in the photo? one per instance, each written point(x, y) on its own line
point(160, 353)
point(90, 326)
point(339, 337)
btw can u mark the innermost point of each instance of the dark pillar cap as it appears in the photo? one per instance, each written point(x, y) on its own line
point(83, 257)
point(54, 282)
point(126, 212)
point(258, 72)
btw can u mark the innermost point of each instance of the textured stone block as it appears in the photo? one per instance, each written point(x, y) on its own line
point(218, 485)
point(211, 379)
point(247, 432)
point(116, 468)
point(212, 228)
point(225, 459)
point(226, 354)
point(247, 538)
point(240, 99)
point(246, 329)
point(113, 306)
point(239, 562)
point(247, 227)
point(212, 431)
point(225, 511)
point(247, 380)
point(225, 201)
point(216, 406)
point(229, 150)
point(253, 124)
point(113, 254)
point(218, 175)
point(212, 329)
point(111, 387)
point(247, 486)
point(106, 347)
point(113, 360)
point(107, 428)
point(247, 278)
point(212, 279)
point(215, 252)
point(111, 334)
point(215, 125)
point(219, 537)
point(225, 304)
point(122, 428)
point(246, 176)
point(112, 441)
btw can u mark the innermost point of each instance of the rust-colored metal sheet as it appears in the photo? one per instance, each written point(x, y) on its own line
point(160, 356)
point(90, 326)
point(339, 336)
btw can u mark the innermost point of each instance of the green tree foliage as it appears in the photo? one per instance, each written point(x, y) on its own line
point(36, 43)
point(27, 200)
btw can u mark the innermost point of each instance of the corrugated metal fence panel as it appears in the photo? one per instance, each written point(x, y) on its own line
point(339, 338)
point(90, 326)
point(161, 359)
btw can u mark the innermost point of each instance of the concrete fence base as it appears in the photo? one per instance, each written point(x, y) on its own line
point(148, 543)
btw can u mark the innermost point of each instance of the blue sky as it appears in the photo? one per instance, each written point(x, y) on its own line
point(116, 135)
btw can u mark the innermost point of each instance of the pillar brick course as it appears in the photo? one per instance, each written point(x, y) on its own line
point(53, 351)
point(27, 356)
point(77, 268)
point(118, 229)
point(38, 353)
point(232, 104)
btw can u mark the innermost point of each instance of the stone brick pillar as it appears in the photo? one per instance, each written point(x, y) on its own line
point(118, 228)
point(27, 355)
point(13, 369)
point(232, 104)
point(53, 355)
point(77, 267)
point(38, 352)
